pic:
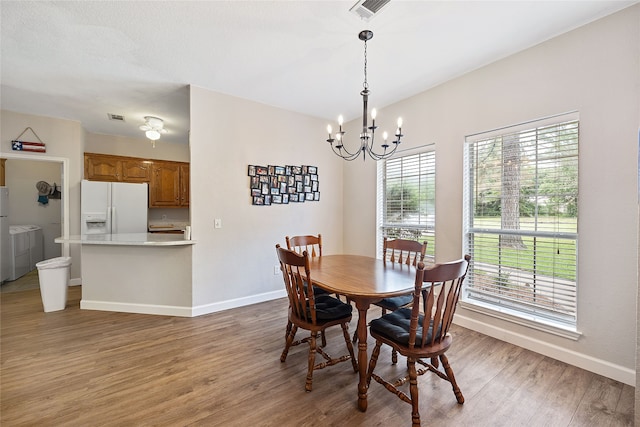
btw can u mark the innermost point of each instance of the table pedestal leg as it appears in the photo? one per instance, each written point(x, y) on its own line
point(363, 359)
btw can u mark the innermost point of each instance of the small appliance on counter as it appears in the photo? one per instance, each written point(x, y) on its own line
point(165, 227)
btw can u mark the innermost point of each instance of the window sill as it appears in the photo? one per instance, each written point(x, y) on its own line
point(533, 323)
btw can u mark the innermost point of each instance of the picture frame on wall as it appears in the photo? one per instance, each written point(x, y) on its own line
point(275, 185)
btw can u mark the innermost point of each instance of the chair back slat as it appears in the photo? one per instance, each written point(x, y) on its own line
point(402, 251)
point(297, 281)
point(311, 244)
point(439, 287)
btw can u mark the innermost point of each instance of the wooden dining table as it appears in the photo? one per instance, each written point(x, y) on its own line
point(364, 280)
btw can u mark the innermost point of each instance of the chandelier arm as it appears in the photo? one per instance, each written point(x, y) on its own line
point(349, 157)
point(339, 151)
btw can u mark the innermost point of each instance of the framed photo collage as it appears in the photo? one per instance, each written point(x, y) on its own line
point(275, 185)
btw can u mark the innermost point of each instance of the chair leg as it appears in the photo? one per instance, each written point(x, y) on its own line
point(291, 333)
point(288, 330)
point(345, 332)
point(312, 360)
point(324, 339)
point(413, 390)
point(394, 356)
point(373, 361)
point(452, 379)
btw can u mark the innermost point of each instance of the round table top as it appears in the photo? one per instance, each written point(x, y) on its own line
point(361, 276)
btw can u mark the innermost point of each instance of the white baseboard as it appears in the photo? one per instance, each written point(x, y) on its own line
point(162, 310)
point(165, 310)
point(237, 302)
point(589, 363)
point(75, 282)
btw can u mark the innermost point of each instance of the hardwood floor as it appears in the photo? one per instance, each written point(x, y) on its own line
point(90, 368)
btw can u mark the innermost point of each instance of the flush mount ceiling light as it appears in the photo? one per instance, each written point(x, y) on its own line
point(368, 132)
point(153, 127)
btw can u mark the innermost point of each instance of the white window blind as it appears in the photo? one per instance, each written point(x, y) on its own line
point(407, 205)
point(521, 211)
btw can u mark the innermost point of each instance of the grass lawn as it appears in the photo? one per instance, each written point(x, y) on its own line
point(553, 257)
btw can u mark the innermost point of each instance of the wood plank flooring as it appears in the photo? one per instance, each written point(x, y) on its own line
point(90, 368)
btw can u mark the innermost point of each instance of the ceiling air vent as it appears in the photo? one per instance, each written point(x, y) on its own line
point(366, 9)
point(116, 117)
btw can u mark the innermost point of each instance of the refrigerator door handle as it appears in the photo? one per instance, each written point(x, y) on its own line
point(114, 226)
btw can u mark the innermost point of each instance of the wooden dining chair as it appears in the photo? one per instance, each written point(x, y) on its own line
point(401, 251)
point(422, 331)
point(311, 244)
point(314, 313)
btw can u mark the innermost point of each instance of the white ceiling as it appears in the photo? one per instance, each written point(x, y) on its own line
point(81, 60)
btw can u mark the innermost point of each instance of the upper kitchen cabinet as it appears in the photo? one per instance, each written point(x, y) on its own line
point(169, 187)
point(103, 167)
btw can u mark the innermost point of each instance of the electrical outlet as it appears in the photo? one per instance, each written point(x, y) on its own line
point(276, 270)
point(217, 223)
point(164, 217)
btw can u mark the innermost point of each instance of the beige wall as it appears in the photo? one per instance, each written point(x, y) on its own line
point(136, 147)
point(234, 264)
point(594, 70)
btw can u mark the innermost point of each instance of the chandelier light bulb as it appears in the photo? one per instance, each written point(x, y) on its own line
point(385, 135)
point(329, 130)
point(399, 122)
point(340, 120)
point(374, 113)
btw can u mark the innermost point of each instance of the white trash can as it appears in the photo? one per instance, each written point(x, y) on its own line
point(54, 278)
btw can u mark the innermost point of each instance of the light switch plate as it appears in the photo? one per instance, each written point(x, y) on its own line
point(217, 223)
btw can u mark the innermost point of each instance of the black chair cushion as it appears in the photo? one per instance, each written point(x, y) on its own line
point(330, 308)
point(395, 303)
point(395, 327)
point(319, 291)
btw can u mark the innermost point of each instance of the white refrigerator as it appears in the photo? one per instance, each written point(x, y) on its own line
point(5, 245)
point(113, 207)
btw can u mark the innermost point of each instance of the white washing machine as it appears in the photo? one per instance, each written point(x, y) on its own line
point(36, 245)
point(27, 249)
point(20, 261)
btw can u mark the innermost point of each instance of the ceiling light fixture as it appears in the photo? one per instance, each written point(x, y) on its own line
point(153, 127)
point(368, 132)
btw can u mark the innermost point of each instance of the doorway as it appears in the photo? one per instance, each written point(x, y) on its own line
point(62, 164)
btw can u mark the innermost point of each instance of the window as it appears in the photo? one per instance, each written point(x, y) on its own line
point(406, 200)
point(521, 212)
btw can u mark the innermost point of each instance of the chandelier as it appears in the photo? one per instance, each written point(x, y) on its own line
point(368, 132)
point(153, 127)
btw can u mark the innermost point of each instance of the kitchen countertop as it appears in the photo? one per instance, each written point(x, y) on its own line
point(128, 239)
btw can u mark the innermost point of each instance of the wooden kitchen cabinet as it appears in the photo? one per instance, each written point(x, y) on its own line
point(184, 184)
point(103, 167)
point(169, 186)
point(168, 181)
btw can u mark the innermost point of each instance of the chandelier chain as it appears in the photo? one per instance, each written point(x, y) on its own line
point(365, 85)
